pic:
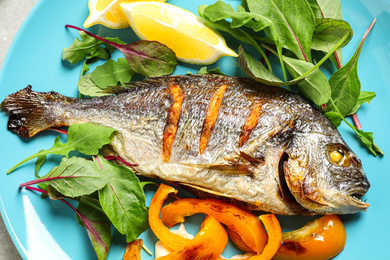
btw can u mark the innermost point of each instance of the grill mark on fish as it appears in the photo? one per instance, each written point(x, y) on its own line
point(251, 122)
point(173, 119)
point(267, 173)
point(211, 117)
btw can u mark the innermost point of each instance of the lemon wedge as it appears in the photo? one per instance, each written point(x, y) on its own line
point(182, 31)
point(107, 13)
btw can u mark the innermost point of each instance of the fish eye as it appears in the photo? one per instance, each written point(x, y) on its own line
point(338, 155)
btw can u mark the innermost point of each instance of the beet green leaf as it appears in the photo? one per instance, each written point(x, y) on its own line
point(123, 200)
point(74, 177)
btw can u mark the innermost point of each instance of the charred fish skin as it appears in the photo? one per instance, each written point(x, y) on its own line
point(224, 135)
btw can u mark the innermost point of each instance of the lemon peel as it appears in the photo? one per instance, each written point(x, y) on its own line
point(182, 31)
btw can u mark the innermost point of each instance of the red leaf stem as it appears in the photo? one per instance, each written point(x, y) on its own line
point(60, 131)
point(114, 44)
point(110, 158)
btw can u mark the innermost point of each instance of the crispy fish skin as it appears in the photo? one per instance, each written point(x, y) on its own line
point(228, 136)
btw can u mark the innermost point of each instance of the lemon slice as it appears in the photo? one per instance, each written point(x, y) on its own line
point(108, 13)
point(182, 31)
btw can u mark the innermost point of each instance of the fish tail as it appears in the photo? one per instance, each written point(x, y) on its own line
point(30, 112)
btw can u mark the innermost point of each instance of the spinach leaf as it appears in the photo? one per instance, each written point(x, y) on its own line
point(256, 69)
point(123, 201)
point(315, 86)
point(328, 32)
point(326, 8)
point(290, 30)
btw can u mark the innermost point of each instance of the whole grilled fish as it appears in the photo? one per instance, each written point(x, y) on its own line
point(227, 136)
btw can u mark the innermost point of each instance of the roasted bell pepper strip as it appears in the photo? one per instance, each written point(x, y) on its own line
point(173, 241)
point(323, 238)
point(133, 250)
point(246, 225)
point(274, 232)
point(209, 243)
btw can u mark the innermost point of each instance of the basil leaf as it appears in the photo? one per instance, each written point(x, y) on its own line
point(123, 201)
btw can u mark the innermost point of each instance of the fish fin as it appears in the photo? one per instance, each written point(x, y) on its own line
point(115, 90)
point(253, 161)
point(238, 169)
point(206, 190)
point(29, 113)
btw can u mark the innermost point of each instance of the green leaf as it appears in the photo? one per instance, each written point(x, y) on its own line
point(204, 70)
point(111, 73)
point(123, 201)
point(345, 86)
point(364, 97)
point(90, 46)
point(314, 86)
point(256, 69)
point(74, 177)
point(368, 140)
point(98, 227)
point(85, 138)
point(150, 58)
point(335, 118)
point(88, 88)
point(328, 32)
point(326, 9)
point(221, 24)
point(288, 29)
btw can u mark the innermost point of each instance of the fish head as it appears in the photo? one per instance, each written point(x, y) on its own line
point(324, 175)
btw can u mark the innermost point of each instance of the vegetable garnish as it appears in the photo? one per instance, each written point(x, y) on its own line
point(209, 243)
point(185, 33)
point(133, 250)
point(148, 58)
point(101, 188)
point(274, 231)
point(108, 13)
point(323, 238)
point(324, 31)
point(251, 234)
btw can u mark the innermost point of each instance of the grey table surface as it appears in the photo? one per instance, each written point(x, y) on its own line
point(12, 15)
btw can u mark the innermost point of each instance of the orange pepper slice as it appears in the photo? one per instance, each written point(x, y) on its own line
point(250, 234)
point(323, 238)
point(173, 241)
point(209, 243)
point(133, 250)
point(274, 231)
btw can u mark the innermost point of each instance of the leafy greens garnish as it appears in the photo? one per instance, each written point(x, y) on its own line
point(292, 30)
point(106, 193)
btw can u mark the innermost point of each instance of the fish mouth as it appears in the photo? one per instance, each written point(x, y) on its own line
point(354, 199)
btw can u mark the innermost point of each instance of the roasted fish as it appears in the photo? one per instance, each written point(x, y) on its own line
point(263, 146)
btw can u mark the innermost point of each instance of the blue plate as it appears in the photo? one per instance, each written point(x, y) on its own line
point(44, 229)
